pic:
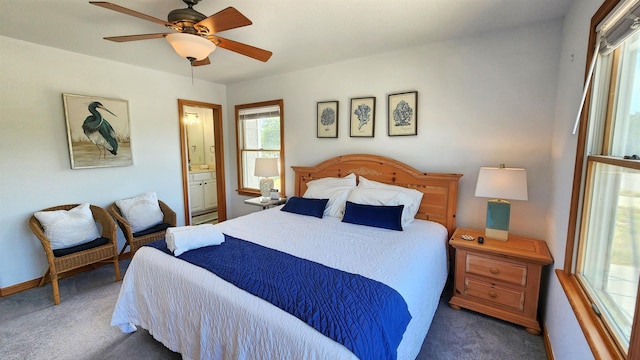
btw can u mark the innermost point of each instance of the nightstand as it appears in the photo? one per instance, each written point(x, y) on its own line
point(266, 204)
point(499, 278)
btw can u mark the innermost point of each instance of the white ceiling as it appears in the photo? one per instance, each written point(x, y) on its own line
point(300, 33)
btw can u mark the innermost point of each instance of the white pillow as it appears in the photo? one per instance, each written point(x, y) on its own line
point(415, 195)
point(142, 211)
point(66, 228)
point(335, 189)
point(349, 180)
point(383, 197)
point(337, 196)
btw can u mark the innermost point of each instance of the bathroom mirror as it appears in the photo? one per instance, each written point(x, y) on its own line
point(198, 122)
point(202, 162)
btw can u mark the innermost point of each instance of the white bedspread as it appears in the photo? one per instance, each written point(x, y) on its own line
point(194, 312)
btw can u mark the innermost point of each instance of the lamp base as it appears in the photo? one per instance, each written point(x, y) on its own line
point(496, 234)
point(266, 184)
point(498, 213)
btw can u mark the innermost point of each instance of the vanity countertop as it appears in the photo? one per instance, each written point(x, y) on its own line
point(196, 170)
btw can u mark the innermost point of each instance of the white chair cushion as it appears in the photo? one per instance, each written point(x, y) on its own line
point(66, 228)
point(142, 211)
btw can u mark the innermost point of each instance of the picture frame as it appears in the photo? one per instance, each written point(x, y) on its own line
point(402, 114)
point(327, 119)
point(98, 131)
point(363, 117)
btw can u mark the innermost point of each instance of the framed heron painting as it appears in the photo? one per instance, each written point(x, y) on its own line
point(97, 131)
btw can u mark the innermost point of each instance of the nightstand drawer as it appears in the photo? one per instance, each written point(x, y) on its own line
point(497, 269)
point(490, 292)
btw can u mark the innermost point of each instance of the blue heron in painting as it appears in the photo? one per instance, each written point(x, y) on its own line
point(99, 131)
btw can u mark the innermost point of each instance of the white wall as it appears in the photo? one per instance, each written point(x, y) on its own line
point(35, 170)
point(564, 332)
point(482, 101)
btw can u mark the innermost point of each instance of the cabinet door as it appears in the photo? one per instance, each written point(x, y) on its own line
point(210, 194)
point(196, 190)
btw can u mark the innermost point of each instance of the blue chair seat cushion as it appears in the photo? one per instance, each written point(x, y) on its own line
point(153, 229)
point(82, 247)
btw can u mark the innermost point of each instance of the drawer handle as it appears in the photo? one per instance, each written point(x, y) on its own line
point(493, 294)
point(494, 270)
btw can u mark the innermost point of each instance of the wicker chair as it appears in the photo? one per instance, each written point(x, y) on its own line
point(136, 240)
point(83, 257)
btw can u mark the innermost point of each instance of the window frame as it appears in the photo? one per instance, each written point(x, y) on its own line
point(600, 340)
point(239, 151)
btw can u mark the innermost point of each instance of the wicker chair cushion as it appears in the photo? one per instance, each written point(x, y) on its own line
point(86, 246)
point(153, 229)
point(142, 211)
point(67, 228)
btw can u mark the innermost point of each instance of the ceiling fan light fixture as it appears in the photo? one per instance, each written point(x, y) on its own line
point(190, 46)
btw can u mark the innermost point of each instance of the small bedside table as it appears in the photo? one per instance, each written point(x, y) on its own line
point(499, 278)
point(267, 204)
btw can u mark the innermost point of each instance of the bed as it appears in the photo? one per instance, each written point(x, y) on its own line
point(198, 314)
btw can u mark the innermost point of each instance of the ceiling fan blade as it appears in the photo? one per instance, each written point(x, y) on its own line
point(227, 19)
point(124, 10)
point(244, 49)
point(204, 61)
point(136, 37)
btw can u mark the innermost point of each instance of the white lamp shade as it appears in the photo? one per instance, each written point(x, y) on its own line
point(502, 183)
point(266, 167)
point(190, 46)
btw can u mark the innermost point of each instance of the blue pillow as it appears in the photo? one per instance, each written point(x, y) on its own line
point(305, 206)
point(386, 217)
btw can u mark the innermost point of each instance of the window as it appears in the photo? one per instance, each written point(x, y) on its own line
point(603, 247)
point(260, 134)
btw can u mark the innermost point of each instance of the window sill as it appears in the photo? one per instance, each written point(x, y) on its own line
point(249, 192)
point(601, 344)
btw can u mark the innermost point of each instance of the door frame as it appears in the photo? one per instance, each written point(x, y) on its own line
point(219, 155)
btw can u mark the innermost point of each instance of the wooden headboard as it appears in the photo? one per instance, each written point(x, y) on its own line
point(440, 190)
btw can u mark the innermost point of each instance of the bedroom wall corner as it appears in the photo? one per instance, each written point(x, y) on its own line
point(35, 167)
point(566, 338)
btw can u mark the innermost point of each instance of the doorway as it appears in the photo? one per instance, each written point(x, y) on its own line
point(202, 156)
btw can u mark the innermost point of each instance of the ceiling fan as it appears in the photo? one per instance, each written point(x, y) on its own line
point(193, 30)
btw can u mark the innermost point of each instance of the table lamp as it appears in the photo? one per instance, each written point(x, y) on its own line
point(500, 184)
point(266, 168)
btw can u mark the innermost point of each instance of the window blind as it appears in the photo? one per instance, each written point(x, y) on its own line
point(620, 24)
point(259, 113)
point(623, 22)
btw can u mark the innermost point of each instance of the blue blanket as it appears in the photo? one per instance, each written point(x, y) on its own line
point(366, 316)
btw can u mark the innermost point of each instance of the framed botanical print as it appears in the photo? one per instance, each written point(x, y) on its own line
point(363, 117)
point(98, 131)
point(402, 114)
point(327, 119)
